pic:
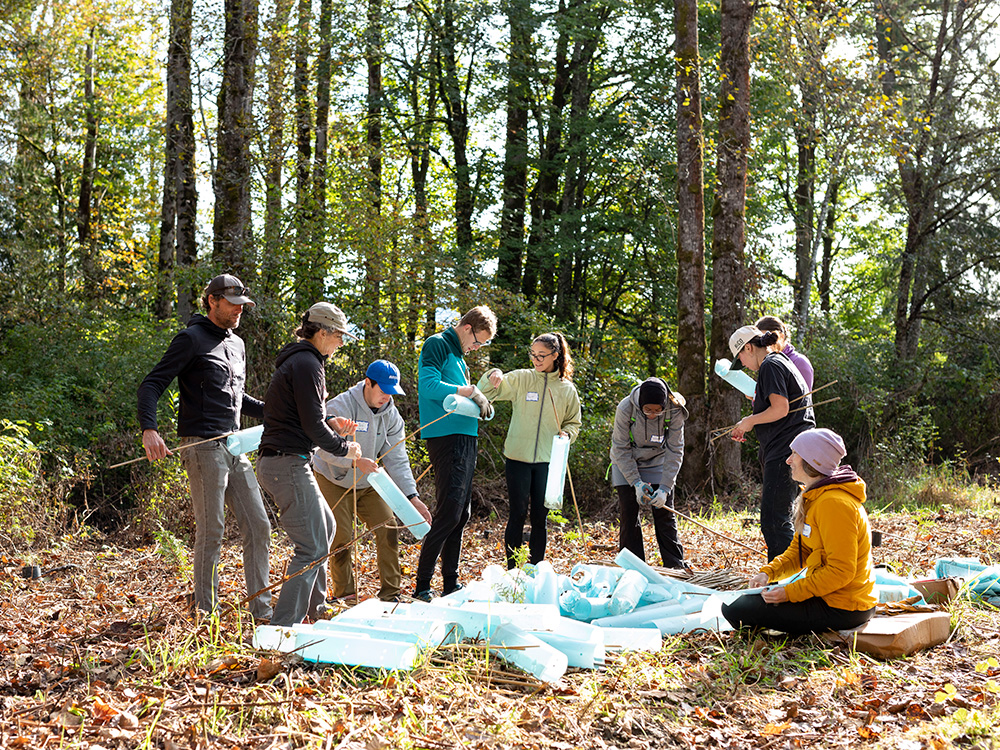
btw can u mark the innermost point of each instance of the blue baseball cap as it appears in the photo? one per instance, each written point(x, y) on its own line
point(386, 376)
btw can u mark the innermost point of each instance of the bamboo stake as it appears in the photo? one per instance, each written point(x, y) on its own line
point(176, 448)
point(713, 531)
point(722, 432)
point(354, 525)
point(569, 476)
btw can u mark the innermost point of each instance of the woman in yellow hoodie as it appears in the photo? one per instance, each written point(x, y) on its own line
point(831, 548)
point(545, 404)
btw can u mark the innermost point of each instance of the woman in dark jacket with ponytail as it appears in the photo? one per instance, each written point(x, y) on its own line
point(781, 410)
point(294, 424)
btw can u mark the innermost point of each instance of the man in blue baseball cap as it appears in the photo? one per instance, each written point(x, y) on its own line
point(380, 428)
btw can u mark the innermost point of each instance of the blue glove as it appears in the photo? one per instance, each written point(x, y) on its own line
point(643, 493)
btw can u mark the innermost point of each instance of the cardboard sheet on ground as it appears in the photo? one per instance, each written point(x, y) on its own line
point(902, 635)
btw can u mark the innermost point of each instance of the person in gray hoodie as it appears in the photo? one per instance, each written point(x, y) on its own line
point(647, 449)
point(369, 403)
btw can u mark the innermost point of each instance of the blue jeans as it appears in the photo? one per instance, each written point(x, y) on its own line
point(307, 520)
point(454, 460)
point(218, 479)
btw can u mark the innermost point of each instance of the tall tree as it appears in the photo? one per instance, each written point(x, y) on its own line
point(274, 258)
point(89, 262)
point(933, 75)
point(521, 22)
point(233, 237)
point(729, 219)
point(374, 264)
point(177, 244)
point(696, 471)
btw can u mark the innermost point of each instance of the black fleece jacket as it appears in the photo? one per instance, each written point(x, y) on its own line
point(210, 365)
point(295, 404)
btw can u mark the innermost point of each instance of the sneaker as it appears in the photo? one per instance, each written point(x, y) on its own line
point(456, 587)
point(324, 612)
point(424, 596)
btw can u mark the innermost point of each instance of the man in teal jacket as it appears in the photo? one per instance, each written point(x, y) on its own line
point(451, 442)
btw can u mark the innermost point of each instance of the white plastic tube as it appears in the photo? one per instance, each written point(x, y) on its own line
point(244, 441)
point(629, 589)
point(556, 481)
point(736, 378)
point(464, 406)
point(526, 651)
point(398, 503)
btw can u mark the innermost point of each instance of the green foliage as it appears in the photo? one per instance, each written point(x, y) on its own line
point(29, 514)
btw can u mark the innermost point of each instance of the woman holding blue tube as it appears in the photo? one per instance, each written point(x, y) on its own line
point(832, 545)
point(545, 404)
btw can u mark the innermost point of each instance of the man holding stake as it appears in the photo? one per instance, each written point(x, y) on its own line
point(380, 434)
point(209, 362)
point(451, 441)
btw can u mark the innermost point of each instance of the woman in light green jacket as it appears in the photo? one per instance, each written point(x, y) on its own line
point(545, 405)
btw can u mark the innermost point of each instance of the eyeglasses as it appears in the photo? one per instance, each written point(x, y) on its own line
point(652, 411)
point(540, 357)
point(475, 338)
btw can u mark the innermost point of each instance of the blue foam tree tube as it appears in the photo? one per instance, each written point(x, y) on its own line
point(398, 503)
point(575, 605)
point(632, 639)
point(545, 588)
point(244, 441)
point(736, 378)
point(583, 644)
point(629, 589)
point(524, 650)
point(464, 406)
point(647, 615)
point(556, 480)
point(598, 606)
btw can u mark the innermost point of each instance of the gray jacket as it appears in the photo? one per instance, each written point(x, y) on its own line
point(377, 432)
point(647, 449)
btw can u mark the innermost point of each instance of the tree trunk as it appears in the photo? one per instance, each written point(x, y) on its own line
point(696, 470)
point(84, 229)
point(177, 231)
point(457, 123)
point(308, 279)
point(728, 215)
point(515, 171)
point(232, 238)
point(825, 279)
point(273, 257)
point(805, 195)
point(186, 236)
point(319, 175)
point(539, 271)
point(374, 265)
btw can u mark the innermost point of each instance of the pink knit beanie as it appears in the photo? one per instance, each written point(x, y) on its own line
point(821, 448)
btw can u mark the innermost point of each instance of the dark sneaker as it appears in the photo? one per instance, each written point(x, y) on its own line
point(424, 596)
point(456, 587)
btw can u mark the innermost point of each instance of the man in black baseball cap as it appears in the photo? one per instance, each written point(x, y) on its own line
point(209, 362)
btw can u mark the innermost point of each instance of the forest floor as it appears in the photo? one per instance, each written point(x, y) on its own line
point(101, 652)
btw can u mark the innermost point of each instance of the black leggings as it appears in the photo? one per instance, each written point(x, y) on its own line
point(813, 615)
point(526, 488)
point(664, 525)
point(777, 495)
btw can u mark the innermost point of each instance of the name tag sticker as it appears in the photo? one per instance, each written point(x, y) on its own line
point(806, 530)
point(362, 427)
point(531, 396)
point(656, 438)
